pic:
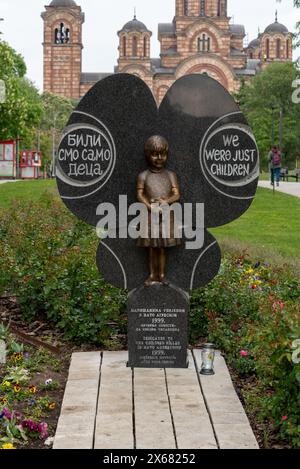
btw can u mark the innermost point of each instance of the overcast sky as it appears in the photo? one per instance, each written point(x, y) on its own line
point(23, 27)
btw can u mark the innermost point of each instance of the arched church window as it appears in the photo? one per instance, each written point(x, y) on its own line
point(251, 55)
point(145, 47)
point(278, 47)
point(186, 7)
point(268, 48)
point(134, 46)
point(204, 43)
point(124, 51)
point(202, 7)
point(62, 34)
point(287, 49)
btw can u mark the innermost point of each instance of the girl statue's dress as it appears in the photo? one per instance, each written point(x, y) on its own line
point(157, 185)
point(158, 188)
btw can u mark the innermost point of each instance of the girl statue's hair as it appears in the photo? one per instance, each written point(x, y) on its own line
point(156, 143)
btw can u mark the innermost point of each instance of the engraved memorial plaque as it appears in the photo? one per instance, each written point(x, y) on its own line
point(157, 327)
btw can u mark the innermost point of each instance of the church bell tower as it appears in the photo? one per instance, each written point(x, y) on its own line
point(62, 44)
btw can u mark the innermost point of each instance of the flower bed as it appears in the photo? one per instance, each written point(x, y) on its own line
point(29, 403)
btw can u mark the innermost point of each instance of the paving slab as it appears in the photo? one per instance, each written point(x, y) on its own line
point(110, 406)
point(153, 423)
point(231, 425)
point(192, 424)
point(114, 420)
point(75, 428)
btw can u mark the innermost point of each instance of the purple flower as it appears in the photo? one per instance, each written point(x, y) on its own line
point(33, 427)
point(43, 430)
point(30, 425)
point(17, 415)
point(6, 413)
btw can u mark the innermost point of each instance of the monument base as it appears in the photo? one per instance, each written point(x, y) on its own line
point(158, 327)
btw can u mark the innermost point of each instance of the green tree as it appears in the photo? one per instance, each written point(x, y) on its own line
point(56, 111)
point(273, 87)
point(55, 115)
point(22, 108)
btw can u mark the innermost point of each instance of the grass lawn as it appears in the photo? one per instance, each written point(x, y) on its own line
point(30, 190)
point(264, 176)
point(272, 223)
point(270, 228)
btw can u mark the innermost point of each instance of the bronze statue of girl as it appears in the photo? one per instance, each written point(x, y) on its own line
point(156, 188)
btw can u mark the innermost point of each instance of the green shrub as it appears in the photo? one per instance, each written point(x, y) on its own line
point(48, 261)
point(252, 313)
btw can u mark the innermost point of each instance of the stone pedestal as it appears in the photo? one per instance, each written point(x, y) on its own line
point(158, 327)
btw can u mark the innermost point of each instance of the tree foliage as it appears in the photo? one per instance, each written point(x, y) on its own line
point(22, 108)
point(55, 115)
point(56, 111)
point(273, 87)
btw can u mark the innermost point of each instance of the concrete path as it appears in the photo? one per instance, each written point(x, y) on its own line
point(4, 181)
point(291, 188)
point(109, 406)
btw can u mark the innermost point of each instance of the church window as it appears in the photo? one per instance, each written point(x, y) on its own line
point(278, 47)
point(145, 47)
point(202, 7)
point(251, 55)
point(124, 51)
point(268, 48)
point(62, 34)
point(204, 43)
point(134, 46)
point(287, 49)
point(186, 7)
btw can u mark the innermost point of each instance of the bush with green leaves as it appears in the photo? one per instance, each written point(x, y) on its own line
point(252, 313)
point(48, 261)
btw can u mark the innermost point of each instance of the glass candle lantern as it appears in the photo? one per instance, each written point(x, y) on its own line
point(208, 356)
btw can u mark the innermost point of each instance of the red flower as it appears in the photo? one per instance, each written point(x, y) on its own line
point(284, 418)
point(243, 353)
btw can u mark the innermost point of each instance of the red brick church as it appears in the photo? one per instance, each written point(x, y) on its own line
point(200, 39)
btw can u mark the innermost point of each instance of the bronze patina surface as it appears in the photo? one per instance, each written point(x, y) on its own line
point(156, 188)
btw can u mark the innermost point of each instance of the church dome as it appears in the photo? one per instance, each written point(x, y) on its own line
point(135, 25)
point(254, 44)
point(63, 3)
point(276, 28)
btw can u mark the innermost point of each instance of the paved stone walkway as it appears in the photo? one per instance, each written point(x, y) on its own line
point(291, 188)
point(109, 406)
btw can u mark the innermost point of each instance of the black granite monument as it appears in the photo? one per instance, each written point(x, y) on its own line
point(215, 157)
